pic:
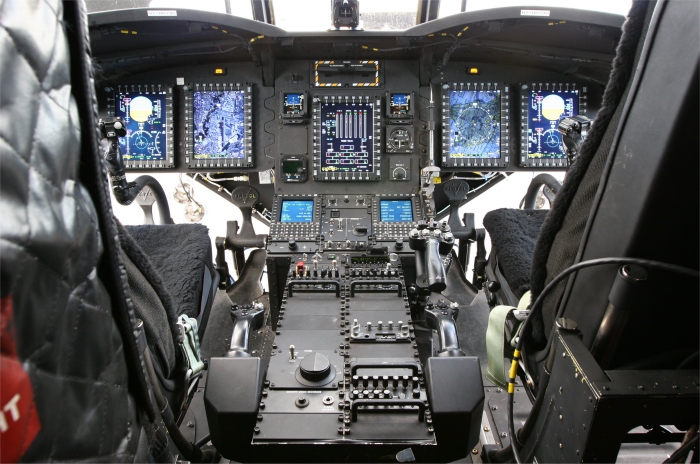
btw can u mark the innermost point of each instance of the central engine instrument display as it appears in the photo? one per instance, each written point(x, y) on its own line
point(348, 135)
point(475, 122)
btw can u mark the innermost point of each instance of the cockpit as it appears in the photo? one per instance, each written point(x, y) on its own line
point(349, 231)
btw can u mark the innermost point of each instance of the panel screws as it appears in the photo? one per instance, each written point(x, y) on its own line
point(260, 417)
point(487, 429)
point(431, 430)
point(256, 430)
point(190, 424)
point(475, 451)
point(504, 434)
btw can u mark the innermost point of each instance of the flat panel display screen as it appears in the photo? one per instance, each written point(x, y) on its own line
point(346, 137)
point(219, 124)
point(395, 211)
point(145, 118)
point(297, 211)
point(545, 109)
point(475, 124)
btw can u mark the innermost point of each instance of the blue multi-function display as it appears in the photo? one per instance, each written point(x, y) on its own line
point(346, 137)
point(219, 124)
point(545, 110)
point(144, 116)
point(475, 124)
point(395, 211)
point(297, 211)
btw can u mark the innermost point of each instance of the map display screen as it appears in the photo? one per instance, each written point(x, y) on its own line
point(395, 211)
point(297, 211)
point(346, 137)
point(144, 116)
point(545, 110)
point(219, 124)
point(475, 124)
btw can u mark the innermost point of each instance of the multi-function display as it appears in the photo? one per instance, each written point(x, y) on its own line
point(546, 108)
point(347, 137)
point(297, 211)
point(475, 124)
point(144, 114)
point(219, 124)
point(395, 211)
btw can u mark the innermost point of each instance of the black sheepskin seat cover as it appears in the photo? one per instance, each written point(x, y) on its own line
point(178, 252)
point(513, 235)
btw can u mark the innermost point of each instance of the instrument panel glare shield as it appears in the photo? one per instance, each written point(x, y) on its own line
point(218, 129)
point(297, 211)
point(147, 113)
point(475, 121)
point(543, 106)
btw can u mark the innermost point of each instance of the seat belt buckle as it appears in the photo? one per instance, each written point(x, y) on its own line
point(521, 314)
point(189, 343)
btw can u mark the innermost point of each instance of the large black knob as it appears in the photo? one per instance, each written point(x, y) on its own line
point(292, 244)
point(399, 244)
point(315, 367)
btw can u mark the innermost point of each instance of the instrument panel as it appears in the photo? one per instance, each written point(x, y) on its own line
point(345, 132)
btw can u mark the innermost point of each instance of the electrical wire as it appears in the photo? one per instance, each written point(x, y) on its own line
point(187, 192)
point(647, 264)
point(682, 452)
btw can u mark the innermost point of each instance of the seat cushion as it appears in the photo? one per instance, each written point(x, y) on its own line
point(179, 253)
point(513, 235)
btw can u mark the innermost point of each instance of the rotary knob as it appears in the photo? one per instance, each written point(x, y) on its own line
point(399, 174)
point(315, 367)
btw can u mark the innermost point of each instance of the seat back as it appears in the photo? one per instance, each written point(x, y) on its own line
point(70, 362)
point(615, 199)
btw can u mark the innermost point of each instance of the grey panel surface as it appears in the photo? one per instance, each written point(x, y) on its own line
point(298, 322)
point(317, 340)
point(278, 427)
point(282, 371)
point(278, 402)
point(293, 140)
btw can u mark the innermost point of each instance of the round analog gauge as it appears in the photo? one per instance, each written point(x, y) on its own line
point(400, 139)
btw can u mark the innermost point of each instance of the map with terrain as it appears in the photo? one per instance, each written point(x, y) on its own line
point(219, 124)
point(475, 128)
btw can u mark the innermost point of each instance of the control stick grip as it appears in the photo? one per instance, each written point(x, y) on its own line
point(430, 268)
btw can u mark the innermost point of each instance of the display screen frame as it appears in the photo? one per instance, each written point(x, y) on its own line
point(372, 130)
point(202, 161)
point(407, 206)
point(526, 158)
point(166, 90)
point(503, 159)
point(298, 203)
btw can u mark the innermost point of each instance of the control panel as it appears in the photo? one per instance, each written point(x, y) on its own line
point(375, 224)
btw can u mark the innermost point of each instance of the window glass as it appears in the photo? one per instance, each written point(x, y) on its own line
point(450, 7)
point(240, 8)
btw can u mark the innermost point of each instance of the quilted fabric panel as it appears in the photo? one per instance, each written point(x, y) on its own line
point(50, 247)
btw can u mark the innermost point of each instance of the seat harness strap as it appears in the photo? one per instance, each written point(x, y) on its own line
point(496, 338)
